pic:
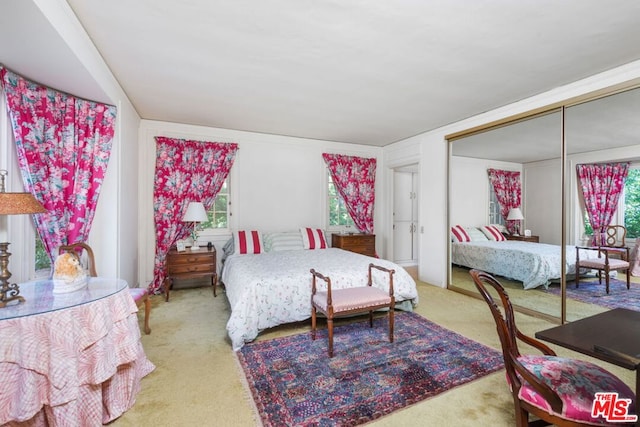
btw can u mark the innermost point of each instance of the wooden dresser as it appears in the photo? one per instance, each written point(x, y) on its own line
point(190, 265)
point(364, 244)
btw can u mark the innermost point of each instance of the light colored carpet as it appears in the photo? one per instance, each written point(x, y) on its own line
point(197, 380)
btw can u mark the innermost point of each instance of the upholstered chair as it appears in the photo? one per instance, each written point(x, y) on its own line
point(140, 295)
point(557, 390)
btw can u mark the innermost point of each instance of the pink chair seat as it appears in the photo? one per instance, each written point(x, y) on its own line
point(614, 263)
point(576, 383)
point(138, 294)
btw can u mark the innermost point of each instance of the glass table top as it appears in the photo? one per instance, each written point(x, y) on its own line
point(40, 298)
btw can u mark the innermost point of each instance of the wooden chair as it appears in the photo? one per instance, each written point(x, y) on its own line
point(140, 295)
point(341, 302)
point(614, 255)
point(559, 391)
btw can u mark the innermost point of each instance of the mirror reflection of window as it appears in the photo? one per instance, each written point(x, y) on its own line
point(495, 217)
point(631, 202)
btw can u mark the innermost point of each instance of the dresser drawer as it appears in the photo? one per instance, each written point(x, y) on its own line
point(364, 244)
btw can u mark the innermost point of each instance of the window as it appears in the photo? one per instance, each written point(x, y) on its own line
point(628, 206)
point(219, 212)
point(338, 215)
point(43, 263)
point(495, 217)
point(631, 202)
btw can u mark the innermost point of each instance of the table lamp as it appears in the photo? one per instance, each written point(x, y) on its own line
point(12, 204)
point(515, 214)
point(195, 213)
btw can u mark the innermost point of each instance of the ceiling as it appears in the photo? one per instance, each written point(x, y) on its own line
point(367, 72)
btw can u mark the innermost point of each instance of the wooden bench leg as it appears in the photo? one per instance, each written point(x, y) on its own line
point(391, 317)
point(313, 322)
point(330, 329)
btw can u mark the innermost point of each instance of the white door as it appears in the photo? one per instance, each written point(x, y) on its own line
point(405, 217)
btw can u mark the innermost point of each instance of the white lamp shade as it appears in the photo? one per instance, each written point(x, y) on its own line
point(195, 213)
point(515, 214)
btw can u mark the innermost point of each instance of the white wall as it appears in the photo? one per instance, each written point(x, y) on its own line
point(469, 189)
point(277, 182)
point(542, 200)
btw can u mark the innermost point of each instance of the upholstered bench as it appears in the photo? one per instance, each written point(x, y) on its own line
point(342, 302)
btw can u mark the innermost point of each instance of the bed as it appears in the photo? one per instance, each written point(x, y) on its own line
point(533, 264)
point(274, 287)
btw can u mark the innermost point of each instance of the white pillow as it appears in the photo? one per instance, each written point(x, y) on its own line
point(459, 234)
point(475, 235)
point(283, 241)
point(313, 238)
point(493, 233)
point(247, 242)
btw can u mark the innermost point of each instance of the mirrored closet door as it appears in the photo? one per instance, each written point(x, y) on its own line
point(527, 264)
point(600, 131)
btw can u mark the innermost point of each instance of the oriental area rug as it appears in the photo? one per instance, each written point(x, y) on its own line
point(592, 292)
point(294, 383)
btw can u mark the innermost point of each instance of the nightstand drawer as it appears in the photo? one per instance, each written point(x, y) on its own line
point(174, 269)
point(180, 260)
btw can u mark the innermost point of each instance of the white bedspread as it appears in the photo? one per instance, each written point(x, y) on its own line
point(534, 264)
point(274, 288)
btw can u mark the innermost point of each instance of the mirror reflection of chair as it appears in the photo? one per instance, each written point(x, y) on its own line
point(613, 255)
point(558, 390)
point(140, 295)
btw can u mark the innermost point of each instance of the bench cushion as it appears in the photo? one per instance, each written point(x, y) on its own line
point(360, 297)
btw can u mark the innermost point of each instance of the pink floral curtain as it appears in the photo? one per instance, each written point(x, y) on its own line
point(508, 189)
point(601, 186)
point(186, 171)
point(63, 146)
point(355, 177)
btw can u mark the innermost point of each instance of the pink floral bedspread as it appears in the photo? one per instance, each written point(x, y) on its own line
point(77, 366)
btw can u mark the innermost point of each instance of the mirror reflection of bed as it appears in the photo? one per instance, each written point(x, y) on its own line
point(606, 129)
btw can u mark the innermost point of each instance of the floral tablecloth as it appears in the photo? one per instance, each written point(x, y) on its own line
point(78, 366)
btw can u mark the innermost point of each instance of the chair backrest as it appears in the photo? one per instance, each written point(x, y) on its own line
point(77, 248)
point(504, 318)
point(509, 335)
point(615, 235)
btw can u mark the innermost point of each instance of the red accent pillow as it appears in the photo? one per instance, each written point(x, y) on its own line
point(247, 242)
point(459, 234)
point(313, 238)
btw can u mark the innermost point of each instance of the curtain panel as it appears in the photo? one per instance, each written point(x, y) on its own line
point(508, 189)
point(354, 178)
point(63, 144)
point(601, 184)
point(186, 171)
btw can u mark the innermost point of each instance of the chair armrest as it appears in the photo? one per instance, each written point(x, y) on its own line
point(542, 347)
point(592, 248)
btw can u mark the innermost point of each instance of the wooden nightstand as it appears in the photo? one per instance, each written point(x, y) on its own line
point(190, 265)
point(534, 239)
point(364, 244)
